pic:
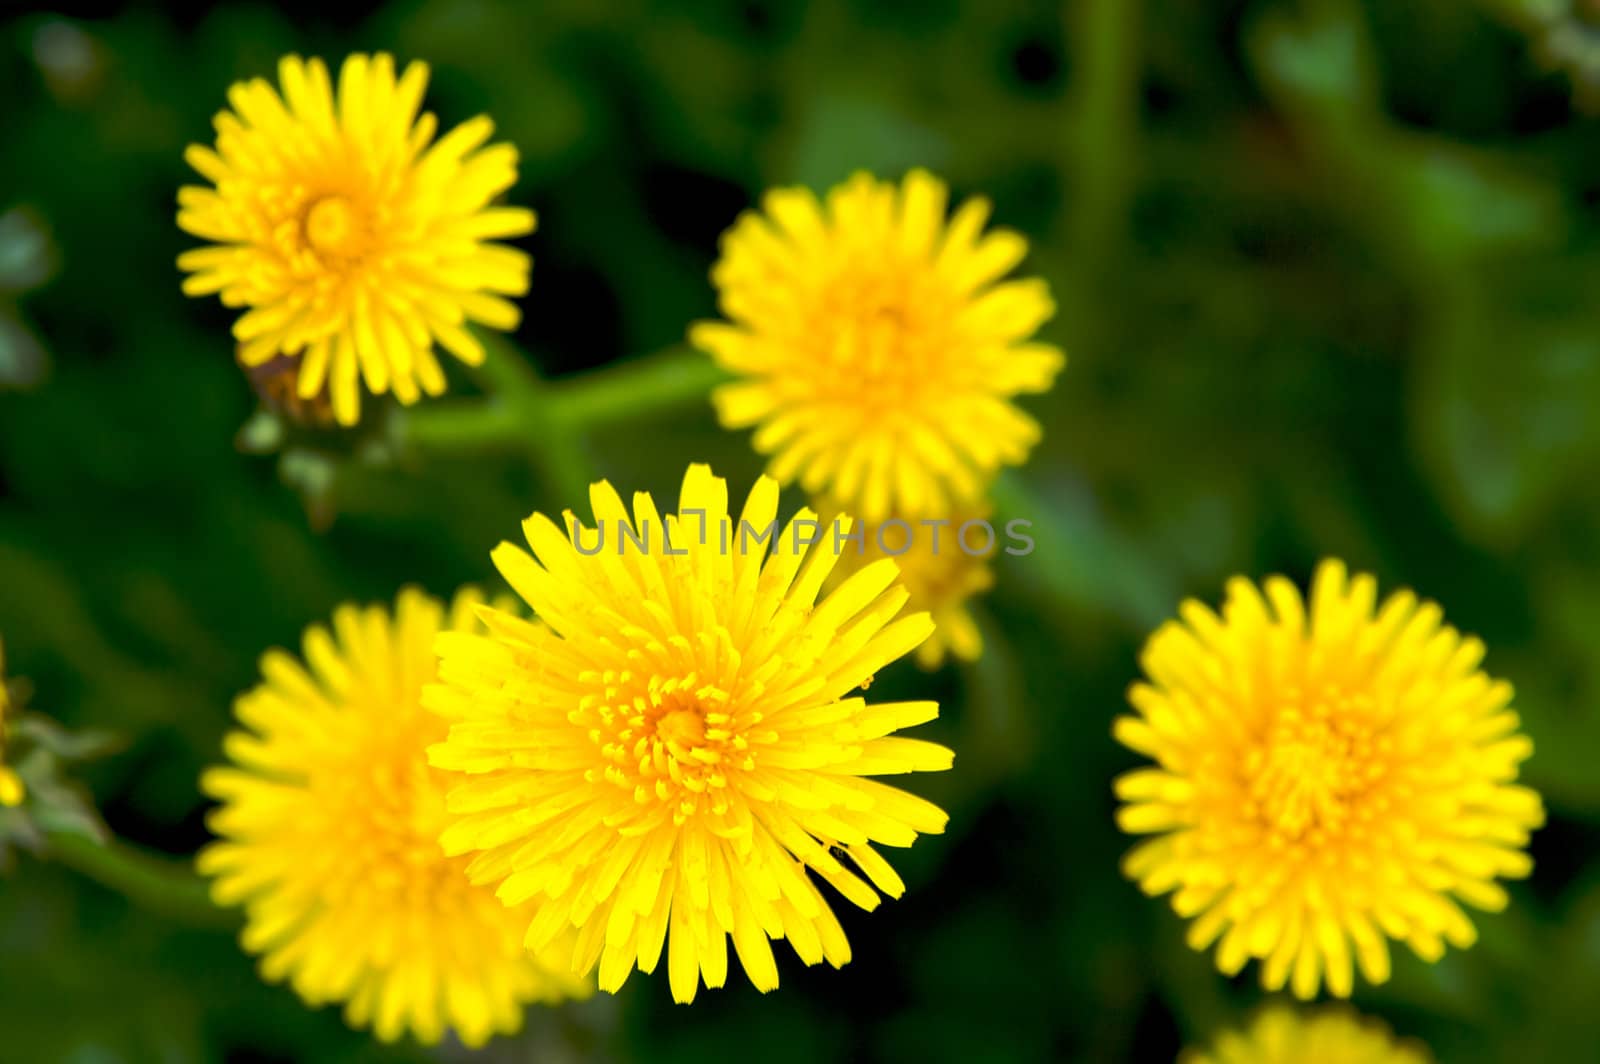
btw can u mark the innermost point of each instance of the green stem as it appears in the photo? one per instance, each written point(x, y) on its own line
point(663, 381)
point(161, 885)
point(559, 457)
point(549, 420)
point(464, 425)
point(506, 372)
point(1106, 35)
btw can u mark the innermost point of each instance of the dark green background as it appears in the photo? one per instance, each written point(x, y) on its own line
point(1327, 276)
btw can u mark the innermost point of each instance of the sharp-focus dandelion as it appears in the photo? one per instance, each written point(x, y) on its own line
point(12, 790)
point(942, 567)
point(1328, 777)
point(674, 755)
point(1280, 1035)
point(879, 345)
point(329, 824)
point(356, 241)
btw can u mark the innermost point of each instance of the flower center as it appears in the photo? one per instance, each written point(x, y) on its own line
point(880, 331)
point(1318, 760)
point(335, 229)
point(682, 729)
point(386, 809)
point(670, 740)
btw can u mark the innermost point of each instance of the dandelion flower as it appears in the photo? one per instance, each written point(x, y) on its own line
point(675, 754)
point(878, 346)
point(1280, 1035)
point(12, 790)
point(1329, 777)
point(356, 240)
point(329, 824)
point(941, 567)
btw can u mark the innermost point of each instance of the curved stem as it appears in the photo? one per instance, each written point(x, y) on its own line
point(558, 456)
point(462, 425)
point(507, 373)
point(654, 383)
point(161, 885)
point(1106, 52)
point(549, 420)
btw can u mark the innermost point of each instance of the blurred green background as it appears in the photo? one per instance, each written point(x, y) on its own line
point(1326, 273)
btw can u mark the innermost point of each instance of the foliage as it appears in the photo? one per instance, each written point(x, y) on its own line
point(1324, 273)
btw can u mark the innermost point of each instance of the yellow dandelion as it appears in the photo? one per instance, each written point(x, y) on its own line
point(879, 346)
point(356, 240)
point(675, 757)
point(1280, 1035)
point(942, 567)
point(329, 824)
point(1329, 778)
point(12, 790)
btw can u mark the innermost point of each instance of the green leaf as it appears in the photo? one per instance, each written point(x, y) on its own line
point(85, 745)
point(1505, 400)
point(843, 133)
point(1322, 59)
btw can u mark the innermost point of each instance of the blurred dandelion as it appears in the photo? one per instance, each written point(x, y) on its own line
point(329, 825)
point(672, 754)
point(940, 574)
point(880, 345)
point(356, 241)
point(12, 789)
point(1328, 777)
point(1331, 1035)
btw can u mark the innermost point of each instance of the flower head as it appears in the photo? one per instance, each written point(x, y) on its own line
point(329, 825)
point(674, 754)
point(12, 790)
point(942, 569)
point(1281, 1035)
point(879, 345)
point(1328, 778)
point(356, 240)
